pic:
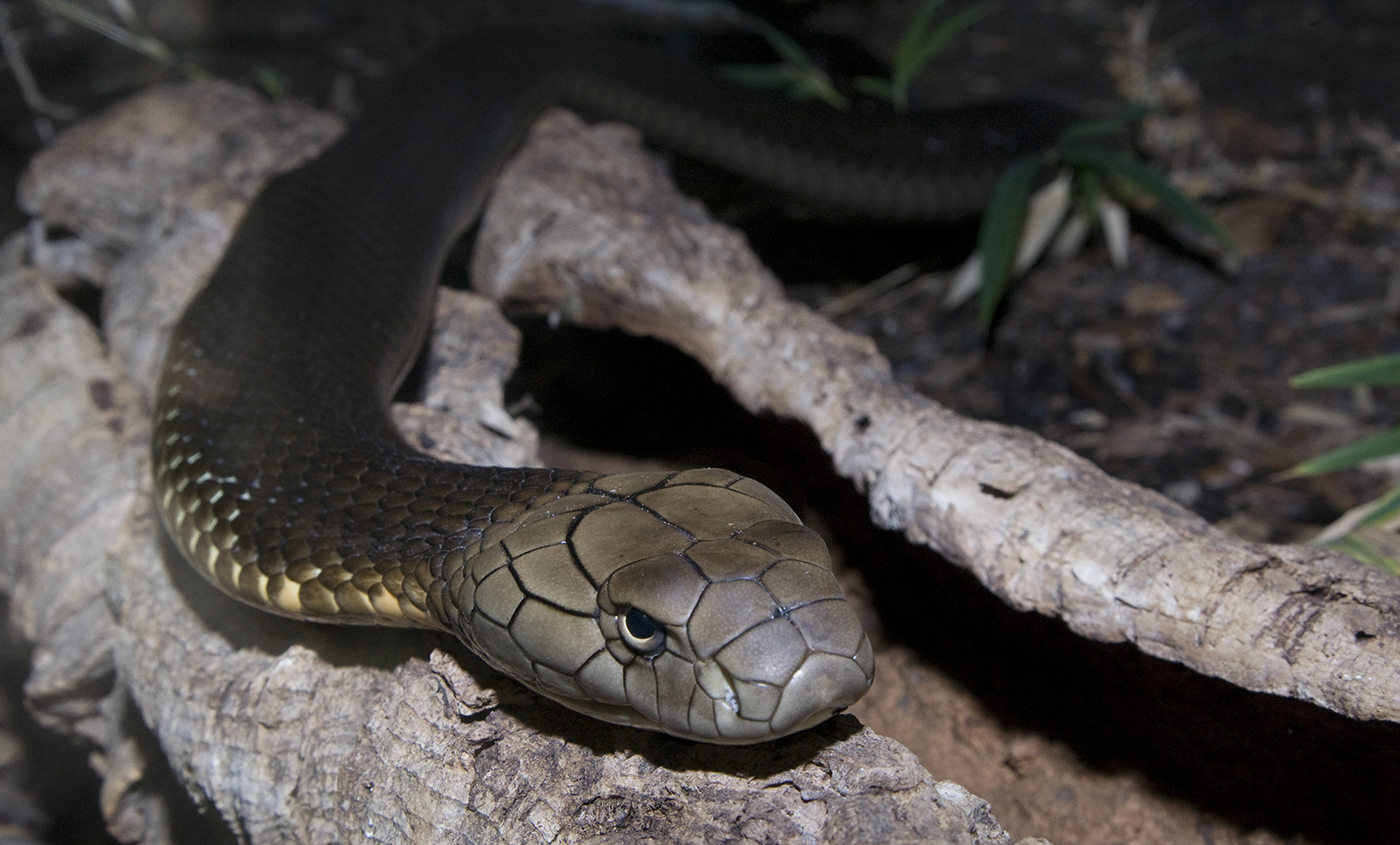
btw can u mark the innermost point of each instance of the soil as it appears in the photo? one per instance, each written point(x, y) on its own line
point(1171, 372)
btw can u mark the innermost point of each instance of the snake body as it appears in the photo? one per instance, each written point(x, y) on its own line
point(694, 602)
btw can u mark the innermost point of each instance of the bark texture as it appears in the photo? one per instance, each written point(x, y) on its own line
point(300, 733)
point(293, 732)
point(1039, 526)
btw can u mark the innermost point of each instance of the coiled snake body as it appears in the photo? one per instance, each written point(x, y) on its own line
point(694, 602)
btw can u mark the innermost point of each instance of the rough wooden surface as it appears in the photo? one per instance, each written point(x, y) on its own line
point(292, 732)
point(1039, 526)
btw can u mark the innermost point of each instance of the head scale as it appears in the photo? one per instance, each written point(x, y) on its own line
point(694, 603)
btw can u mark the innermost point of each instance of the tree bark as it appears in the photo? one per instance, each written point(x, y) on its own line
point(297, 733)
point(294, 732)
point(1041, 527)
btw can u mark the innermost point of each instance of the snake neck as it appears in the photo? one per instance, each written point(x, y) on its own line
point(315, 524)
point(695, 602)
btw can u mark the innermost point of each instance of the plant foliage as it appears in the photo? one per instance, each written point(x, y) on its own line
point(1382, 370)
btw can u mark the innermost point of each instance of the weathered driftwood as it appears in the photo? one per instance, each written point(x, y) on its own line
point(306, 733)
point(1039, 526)
point(295, 732)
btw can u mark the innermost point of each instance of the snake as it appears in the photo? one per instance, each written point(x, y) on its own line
point(692, 602)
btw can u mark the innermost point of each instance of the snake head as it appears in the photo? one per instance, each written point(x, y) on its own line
point(694, 603)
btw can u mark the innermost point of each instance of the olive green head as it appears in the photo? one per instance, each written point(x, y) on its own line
point(694, 603)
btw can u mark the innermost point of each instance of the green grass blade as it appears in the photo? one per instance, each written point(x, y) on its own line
point(919, 24)
point(1125, 167)
point(273, 82)
point(1381, 370)
point(783, 44)
point(1001, 230)
point(146, 45)
point(1386, 443)
point(874, 86)
point(920, 44)
point(914, 34)
point(1088, 184)
point(822, 89)
point(1365, 552)
point(1384, 510)
point(797, 74)
point(793, 82)
point(925, 45)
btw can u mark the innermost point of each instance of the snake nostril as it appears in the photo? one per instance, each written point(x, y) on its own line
point(641, 633)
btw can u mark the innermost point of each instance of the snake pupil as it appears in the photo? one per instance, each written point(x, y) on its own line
point(639, 624)
point(641, 633)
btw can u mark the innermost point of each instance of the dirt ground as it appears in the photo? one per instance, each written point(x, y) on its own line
point(1171, 373)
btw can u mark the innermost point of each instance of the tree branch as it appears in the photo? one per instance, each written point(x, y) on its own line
point(1039, 526)
point(295, 732)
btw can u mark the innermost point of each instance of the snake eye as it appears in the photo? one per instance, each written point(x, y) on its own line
point(641, 633)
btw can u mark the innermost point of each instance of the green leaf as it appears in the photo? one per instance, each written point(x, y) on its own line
point(1386, 443)
point(920, 43)
point(918, 25)
point(796, 83)
point(797, 73)
point(146, 45)
point(914, 34)
point(272, 81)
point(1088, 185)
point(924, 47)
point(783, 44)
point(1383, 510)
point(1001, 229)
point(1125, 167)
point(874, 86)
point(1364, 551)
point(806, 87)
point(1381, 370)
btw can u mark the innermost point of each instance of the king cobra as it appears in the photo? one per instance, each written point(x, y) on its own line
point(692, 602)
